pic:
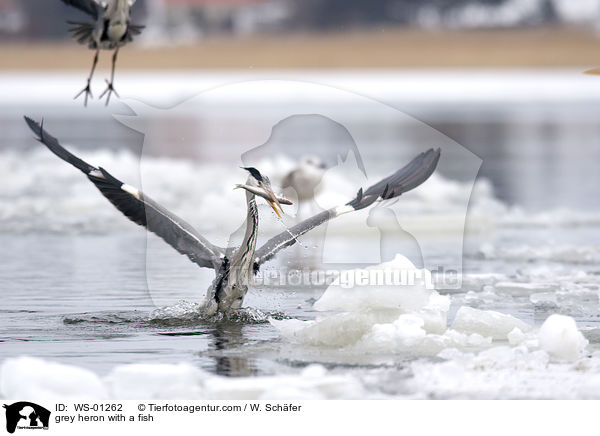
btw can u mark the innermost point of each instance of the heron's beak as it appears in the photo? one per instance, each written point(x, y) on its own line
point(274, 208)
point(274, 201)
point(594, 71)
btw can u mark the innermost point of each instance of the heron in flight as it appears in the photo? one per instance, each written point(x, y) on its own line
point(110, 30)
point(234, 268)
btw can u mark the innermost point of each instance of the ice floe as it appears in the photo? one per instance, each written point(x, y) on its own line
point(487, 323)
point(412, 320)
point(400, 316)
point(559, 337)
point(505, 372)
point(37, 379)
point(577, 254)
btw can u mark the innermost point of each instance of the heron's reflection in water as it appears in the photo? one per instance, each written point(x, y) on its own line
point(227, 337)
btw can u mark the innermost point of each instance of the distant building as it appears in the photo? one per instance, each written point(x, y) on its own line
point(188, 20)
point(12, 17)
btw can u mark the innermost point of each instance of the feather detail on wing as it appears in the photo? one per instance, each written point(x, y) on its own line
point(138, 207)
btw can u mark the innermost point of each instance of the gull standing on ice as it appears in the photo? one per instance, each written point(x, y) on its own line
point(305, 178)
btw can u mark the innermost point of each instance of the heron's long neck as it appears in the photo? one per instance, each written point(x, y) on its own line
point(244, 256)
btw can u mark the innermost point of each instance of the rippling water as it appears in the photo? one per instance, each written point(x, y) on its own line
point(80, 285)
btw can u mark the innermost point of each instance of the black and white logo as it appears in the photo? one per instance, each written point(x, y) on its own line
point(26, 415)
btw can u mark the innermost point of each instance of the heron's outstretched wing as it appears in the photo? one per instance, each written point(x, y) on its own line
point(403, 180)
point(90, 7)
point(138, 207)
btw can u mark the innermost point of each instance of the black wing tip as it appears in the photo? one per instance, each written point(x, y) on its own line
point(35, 127)
point(420, 169)
point(428, 164)
point(437, 153)
point(54, 146)
point(434, 152)
point(30, 121)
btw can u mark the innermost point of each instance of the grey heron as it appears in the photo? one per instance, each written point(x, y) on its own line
point(234, 268)
point(110, 30)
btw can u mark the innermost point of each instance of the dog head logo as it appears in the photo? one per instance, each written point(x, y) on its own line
point(26, 415)
point(360, 140)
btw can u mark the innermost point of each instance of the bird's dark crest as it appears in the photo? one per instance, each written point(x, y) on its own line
point(254, 172)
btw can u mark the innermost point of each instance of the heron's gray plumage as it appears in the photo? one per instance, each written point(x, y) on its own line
point(138, 207)
point(230, 295)
point(234, 268)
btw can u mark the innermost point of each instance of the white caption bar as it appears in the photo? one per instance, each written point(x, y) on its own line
point(179, 417)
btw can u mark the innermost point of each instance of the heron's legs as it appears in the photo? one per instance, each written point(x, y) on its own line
point(110, 89)
point(87, 90)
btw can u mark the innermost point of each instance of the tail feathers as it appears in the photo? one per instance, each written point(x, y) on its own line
point(136, 29)
point(54, 146)
point(132, 30)
point(81, 32)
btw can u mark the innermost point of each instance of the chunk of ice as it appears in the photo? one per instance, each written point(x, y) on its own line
point(486, 322)
point(381, 292)
point(160, 381)
point(560, 337)
point(38, 380)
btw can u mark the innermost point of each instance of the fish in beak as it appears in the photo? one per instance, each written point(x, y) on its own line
point(272, 199)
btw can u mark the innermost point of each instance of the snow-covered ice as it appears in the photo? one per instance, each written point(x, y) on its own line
point(559, 337)
point(52, 381)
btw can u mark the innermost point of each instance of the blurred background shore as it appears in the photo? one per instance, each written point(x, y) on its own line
point(249, 34)
point(397, 48)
